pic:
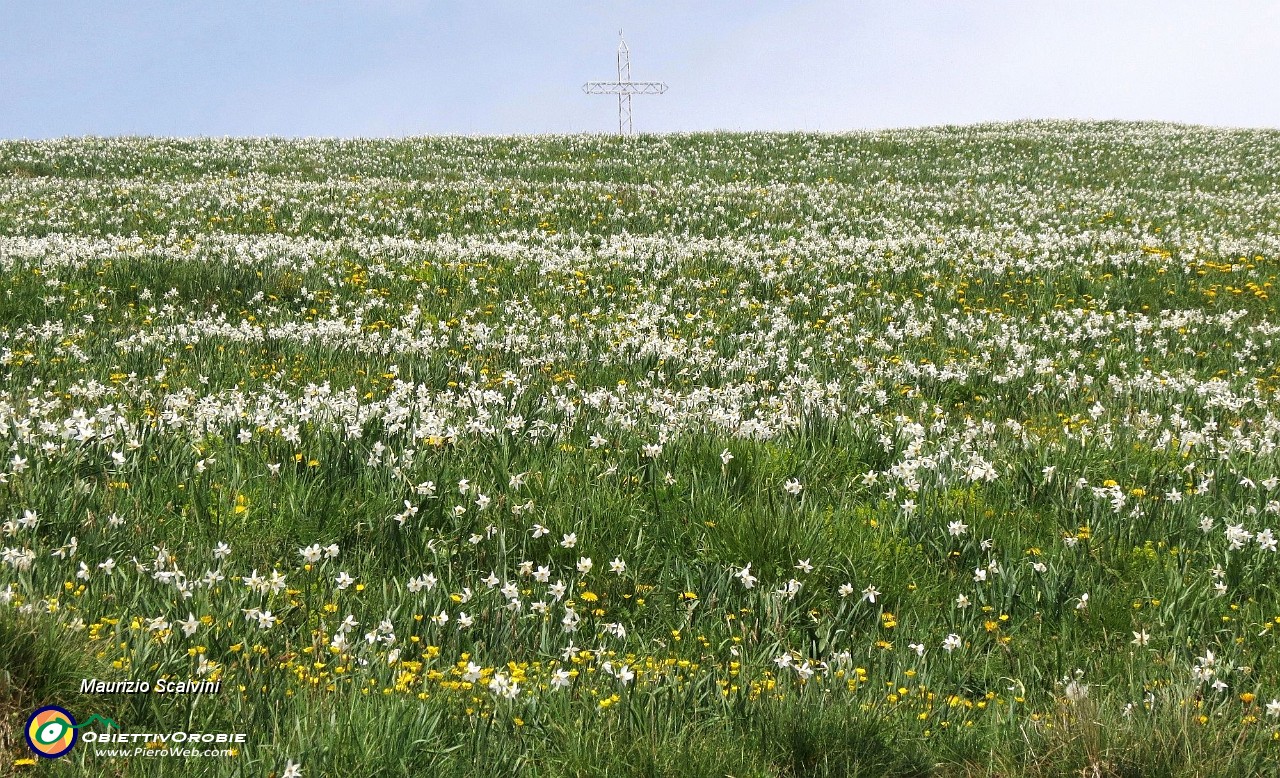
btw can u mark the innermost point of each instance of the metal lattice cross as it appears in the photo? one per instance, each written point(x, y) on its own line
point(624, 87)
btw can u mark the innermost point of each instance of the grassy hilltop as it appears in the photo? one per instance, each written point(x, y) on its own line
point(935, 452)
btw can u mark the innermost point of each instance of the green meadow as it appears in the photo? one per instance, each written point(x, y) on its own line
point(935, 452)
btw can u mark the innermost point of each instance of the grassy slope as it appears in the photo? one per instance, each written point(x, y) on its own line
point(992, 246)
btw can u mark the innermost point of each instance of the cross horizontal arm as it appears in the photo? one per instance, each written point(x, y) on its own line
point(624, 87)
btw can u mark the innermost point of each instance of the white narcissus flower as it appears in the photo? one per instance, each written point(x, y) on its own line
point(1076, 691)
point(793, 487)
point(502, 686)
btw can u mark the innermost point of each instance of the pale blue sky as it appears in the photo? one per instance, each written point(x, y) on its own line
point(399, 67)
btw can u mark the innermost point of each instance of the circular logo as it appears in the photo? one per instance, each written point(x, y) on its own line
point(51, 731)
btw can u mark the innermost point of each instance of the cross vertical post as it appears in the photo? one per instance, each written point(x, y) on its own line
point(624, 76)
point(624, 87)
